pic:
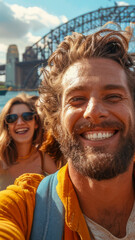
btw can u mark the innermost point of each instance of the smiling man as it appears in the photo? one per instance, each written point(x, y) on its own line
point(98, 113)
point(87, 101)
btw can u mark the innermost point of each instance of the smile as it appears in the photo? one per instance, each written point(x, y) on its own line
point(21, 131)
point(97, 136)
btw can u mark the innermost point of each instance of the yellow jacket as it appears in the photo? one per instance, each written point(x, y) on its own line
point(17, 205)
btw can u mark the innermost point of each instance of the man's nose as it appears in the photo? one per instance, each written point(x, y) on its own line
point(95, 110)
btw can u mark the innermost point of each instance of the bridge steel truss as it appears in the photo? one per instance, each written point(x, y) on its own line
point(123, 15)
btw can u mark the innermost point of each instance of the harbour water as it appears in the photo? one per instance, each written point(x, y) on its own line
point(11, 94)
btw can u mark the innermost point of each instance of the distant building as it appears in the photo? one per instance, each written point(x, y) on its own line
point(17, 73)
point(29, 54)
point(11, 59)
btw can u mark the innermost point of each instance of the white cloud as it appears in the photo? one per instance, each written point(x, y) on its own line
point(24, 26)
point(3, 47)
point(31, 39)
point(122, 4)
point(36, 17)
point(64, 19)
point(3, 51)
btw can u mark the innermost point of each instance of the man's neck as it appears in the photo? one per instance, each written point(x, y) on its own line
point(108, 202)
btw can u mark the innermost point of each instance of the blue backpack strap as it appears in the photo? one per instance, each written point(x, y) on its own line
point(48, 221)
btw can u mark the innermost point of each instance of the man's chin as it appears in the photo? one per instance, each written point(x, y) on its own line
point(104, 166)
point(97, 166)
point(98, 162)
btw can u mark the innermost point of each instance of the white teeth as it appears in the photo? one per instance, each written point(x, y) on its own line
point(104, 135)
point(98, 136)
point(22, 130)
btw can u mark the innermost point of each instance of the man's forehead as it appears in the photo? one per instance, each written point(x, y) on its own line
point(73, 70)
point(93, 67)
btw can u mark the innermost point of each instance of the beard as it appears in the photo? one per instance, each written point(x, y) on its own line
point(96, 162)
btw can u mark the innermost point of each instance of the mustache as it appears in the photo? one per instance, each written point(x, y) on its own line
point(88, 126)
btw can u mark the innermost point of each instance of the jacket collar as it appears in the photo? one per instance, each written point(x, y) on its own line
point(73, 215)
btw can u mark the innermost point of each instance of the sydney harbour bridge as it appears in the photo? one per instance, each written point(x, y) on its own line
point(27, 72)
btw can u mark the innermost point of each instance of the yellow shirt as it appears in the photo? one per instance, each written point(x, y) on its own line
point(17, 204)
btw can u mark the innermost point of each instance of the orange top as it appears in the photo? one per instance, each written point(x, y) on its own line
point(17, 204)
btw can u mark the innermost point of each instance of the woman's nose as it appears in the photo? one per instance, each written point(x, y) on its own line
point(95, 110)
point(19, 120)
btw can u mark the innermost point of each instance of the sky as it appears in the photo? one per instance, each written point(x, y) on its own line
point(24, 22)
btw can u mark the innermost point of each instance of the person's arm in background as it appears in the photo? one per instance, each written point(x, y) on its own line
point(17, 205)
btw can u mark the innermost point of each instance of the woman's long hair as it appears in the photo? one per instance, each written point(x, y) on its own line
point(52, 147)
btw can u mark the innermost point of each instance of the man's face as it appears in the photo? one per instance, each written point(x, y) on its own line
point(97, 118)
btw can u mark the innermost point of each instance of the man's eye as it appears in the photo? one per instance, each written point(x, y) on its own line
point(113, 98)
point(77, 100)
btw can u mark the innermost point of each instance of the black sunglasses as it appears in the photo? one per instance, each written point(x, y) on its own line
point(26, 116)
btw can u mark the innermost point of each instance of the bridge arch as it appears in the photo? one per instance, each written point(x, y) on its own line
point(42, 49)
point(123, 15)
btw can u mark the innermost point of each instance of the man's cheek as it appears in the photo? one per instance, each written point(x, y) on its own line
point(70, 117)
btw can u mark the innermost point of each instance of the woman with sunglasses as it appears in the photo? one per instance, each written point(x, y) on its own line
point(21, 136)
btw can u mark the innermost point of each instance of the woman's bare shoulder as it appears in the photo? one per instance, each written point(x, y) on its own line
point(49, 164)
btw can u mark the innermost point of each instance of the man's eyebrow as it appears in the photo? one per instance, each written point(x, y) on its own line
point(73, 89)
point(70, 90)
point(114, 86)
